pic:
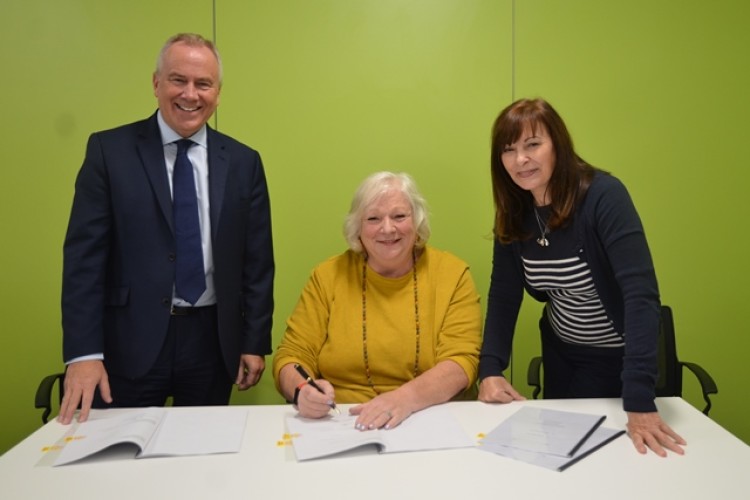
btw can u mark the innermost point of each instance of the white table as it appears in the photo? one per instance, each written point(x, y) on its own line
point(716, 466)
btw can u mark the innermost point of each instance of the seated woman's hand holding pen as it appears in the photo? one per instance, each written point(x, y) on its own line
point(312, 398)
point(312, 403)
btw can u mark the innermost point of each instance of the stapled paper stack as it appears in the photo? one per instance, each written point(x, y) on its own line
point(549, 438)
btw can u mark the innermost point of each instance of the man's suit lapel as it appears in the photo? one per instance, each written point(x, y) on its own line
point(151, 151)
point(218, 169)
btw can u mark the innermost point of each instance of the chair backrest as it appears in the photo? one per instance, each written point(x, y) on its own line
point(669, 376)
point(43, 397)
point(669, 381)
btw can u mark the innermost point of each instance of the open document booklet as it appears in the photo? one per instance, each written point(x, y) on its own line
point(549, 438)
point(433, 428)
point(151, 432)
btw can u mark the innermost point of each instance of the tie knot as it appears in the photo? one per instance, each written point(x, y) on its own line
point(183, 145)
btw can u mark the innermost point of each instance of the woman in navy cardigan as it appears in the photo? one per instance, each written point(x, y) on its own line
point(568, 234)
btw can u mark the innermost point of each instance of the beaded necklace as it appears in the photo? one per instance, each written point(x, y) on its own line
point(364, 319)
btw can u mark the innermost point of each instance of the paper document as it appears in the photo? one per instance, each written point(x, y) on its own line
point(598, 438)
point(157, 432)
point(433, 428)
point(552, 432)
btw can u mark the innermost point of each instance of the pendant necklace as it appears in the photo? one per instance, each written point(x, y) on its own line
point(543, 230)
point(364, 320)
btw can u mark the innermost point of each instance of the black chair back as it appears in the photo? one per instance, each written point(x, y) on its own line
point(669, 380)
point(669, 376)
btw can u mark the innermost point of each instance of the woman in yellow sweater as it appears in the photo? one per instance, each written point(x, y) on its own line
point(391, 323)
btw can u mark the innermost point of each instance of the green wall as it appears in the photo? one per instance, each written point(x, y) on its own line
point(332, 90)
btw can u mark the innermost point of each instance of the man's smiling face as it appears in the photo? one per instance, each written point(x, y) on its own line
point(187, 87)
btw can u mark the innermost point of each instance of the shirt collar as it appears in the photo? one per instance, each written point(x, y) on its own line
point(169, 136)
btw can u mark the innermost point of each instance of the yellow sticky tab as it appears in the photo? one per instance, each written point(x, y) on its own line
point(286, 439)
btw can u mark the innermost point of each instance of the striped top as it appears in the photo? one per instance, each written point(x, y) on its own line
point(574, 310)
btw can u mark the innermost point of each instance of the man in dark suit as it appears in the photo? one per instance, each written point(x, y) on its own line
point(160, 298)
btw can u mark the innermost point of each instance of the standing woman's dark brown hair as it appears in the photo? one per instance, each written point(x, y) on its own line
point(570, 179)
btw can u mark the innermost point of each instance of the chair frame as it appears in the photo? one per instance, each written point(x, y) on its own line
point(43, 397)
point(669, 380)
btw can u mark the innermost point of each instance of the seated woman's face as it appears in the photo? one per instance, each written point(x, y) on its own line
point(388, 234)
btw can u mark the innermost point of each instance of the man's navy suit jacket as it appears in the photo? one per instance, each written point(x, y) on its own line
point(119, 252)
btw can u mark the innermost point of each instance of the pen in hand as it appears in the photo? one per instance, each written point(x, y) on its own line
point(315, 386)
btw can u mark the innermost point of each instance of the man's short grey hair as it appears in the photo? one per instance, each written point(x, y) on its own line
point(192, 40)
